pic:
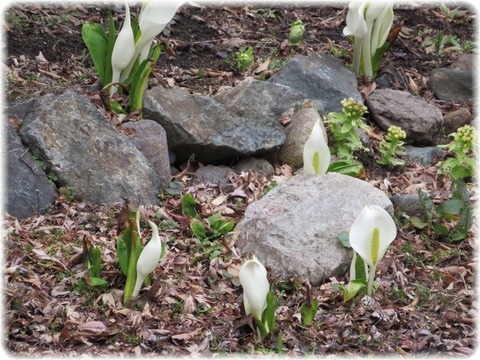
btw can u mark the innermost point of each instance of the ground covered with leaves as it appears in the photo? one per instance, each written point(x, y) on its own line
point(426, 300)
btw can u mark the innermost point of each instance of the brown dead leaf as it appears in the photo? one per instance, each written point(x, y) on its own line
point(93, 326)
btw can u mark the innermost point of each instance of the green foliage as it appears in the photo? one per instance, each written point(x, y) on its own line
point(266, 325)
point(189, 206)
point(392, 146)
point(346, 167)
point(308, 312)
point(92, 259)
point(218, 227)
point(244, 58)
point(456, 211)
point(97, 43)
point(343, 128)
point(462, 164)
point(297, 30)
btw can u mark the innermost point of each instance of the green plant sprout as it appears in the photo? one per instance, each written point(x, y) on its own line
point(244, 58)
point(457, 212)
point(218, 228)
point(392, 147)
point(129, 58)
point(462, 164)
point(297, 30)
point(343, 128)
point(309, 309)
point(92, 259)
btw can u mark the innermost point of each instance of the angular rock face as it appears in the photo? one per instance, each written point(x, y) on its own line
point(294, 228)
point(204, 127)
point(420, 121)
point(85, 153)
point(452, 85)
point(151, 140)
point(28, 189)
point(320, 77)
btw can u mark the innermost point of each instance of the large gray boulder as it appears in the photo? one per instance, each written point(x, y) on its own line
point(151, 140)
point(202, 126)
point(420, 120)
point(85, 153)
point(294, 228)
point(320, 77)
point(28, 189)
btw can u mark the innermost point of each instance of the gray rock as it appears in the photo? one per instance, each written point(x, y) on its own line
point(320, 77)
point(409, 204)
point(455, 119)
point(216, 175)
point(86, 153)
point(452, 85)
point(465, 62)
point(151, 140)
point(261, 166)
point(202, 126)
point(425, 156)
point(28, 189)
point(294, 228)
point(420, 121)
point(297, 133)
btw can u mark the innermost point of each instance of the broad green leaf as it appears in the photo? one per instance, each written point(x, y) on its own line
point(95, 281)
point(140, 79)
point(417, 222)
point(344, 240)
point(460, 172)
point(459, 235)
point(94, 37)
point(452, 207)
point(346, 167)
point(440, 229)
point(122, 255)
point(215, 221)
point(95, 262)
point(308, 312)
point(189, 206)
point(360, 273)
point(353, 288)
point(116, 107)
point(198, 230)
point(110, 44)
point(460, 190)
point(269, 312)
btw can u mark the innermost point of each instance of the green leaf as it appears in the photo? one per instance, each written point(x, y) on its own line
point(460, 172)
point(353, 288)
point(308, 312)
point(140, 79)
point(268, 315)
point(460, 190)
point(198, 230)
point(116, 107)
point(95, 281)
point(459, 235)
point(346, 167)
point(189, 206)
point(110, 44)
point(95, 262)
point(94, 37)
point(122, 254)
point(427, 204)
point(360, 273)
point(452, 207)
point(417, 222)
point(344, 239)
point(440, 229)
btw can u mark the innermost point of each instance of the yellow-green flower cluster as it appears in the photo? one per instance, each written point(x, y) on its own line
point(353, 109)
point(395, 133)
point(465, 137)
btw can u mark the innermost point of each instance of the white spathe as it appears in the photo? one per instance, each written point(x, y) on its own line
point(253, 277)
point(123, 50)
point(371, 233)
point(154, 17)
point(356, 24)
point(149, 258)
point(316, 154)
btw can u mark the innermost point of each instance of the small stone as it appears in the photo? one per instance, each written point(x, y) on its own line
point(425, 156)
point(215, 175)
point(456, 119)
point(409, 204)
point(452, 85)
point(260, 166)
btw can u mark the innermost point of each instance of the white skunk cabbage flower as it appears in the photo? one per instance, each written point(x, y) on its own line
point(356, 24)
point(123, 50)
point(153, 18)
point(382, 26)
point(370, 235)
point(149, 258)
point(316, 154)
point(253, 277)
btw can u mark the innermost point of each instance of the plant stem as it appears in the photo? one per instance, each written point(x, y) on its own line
point(371, 278)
